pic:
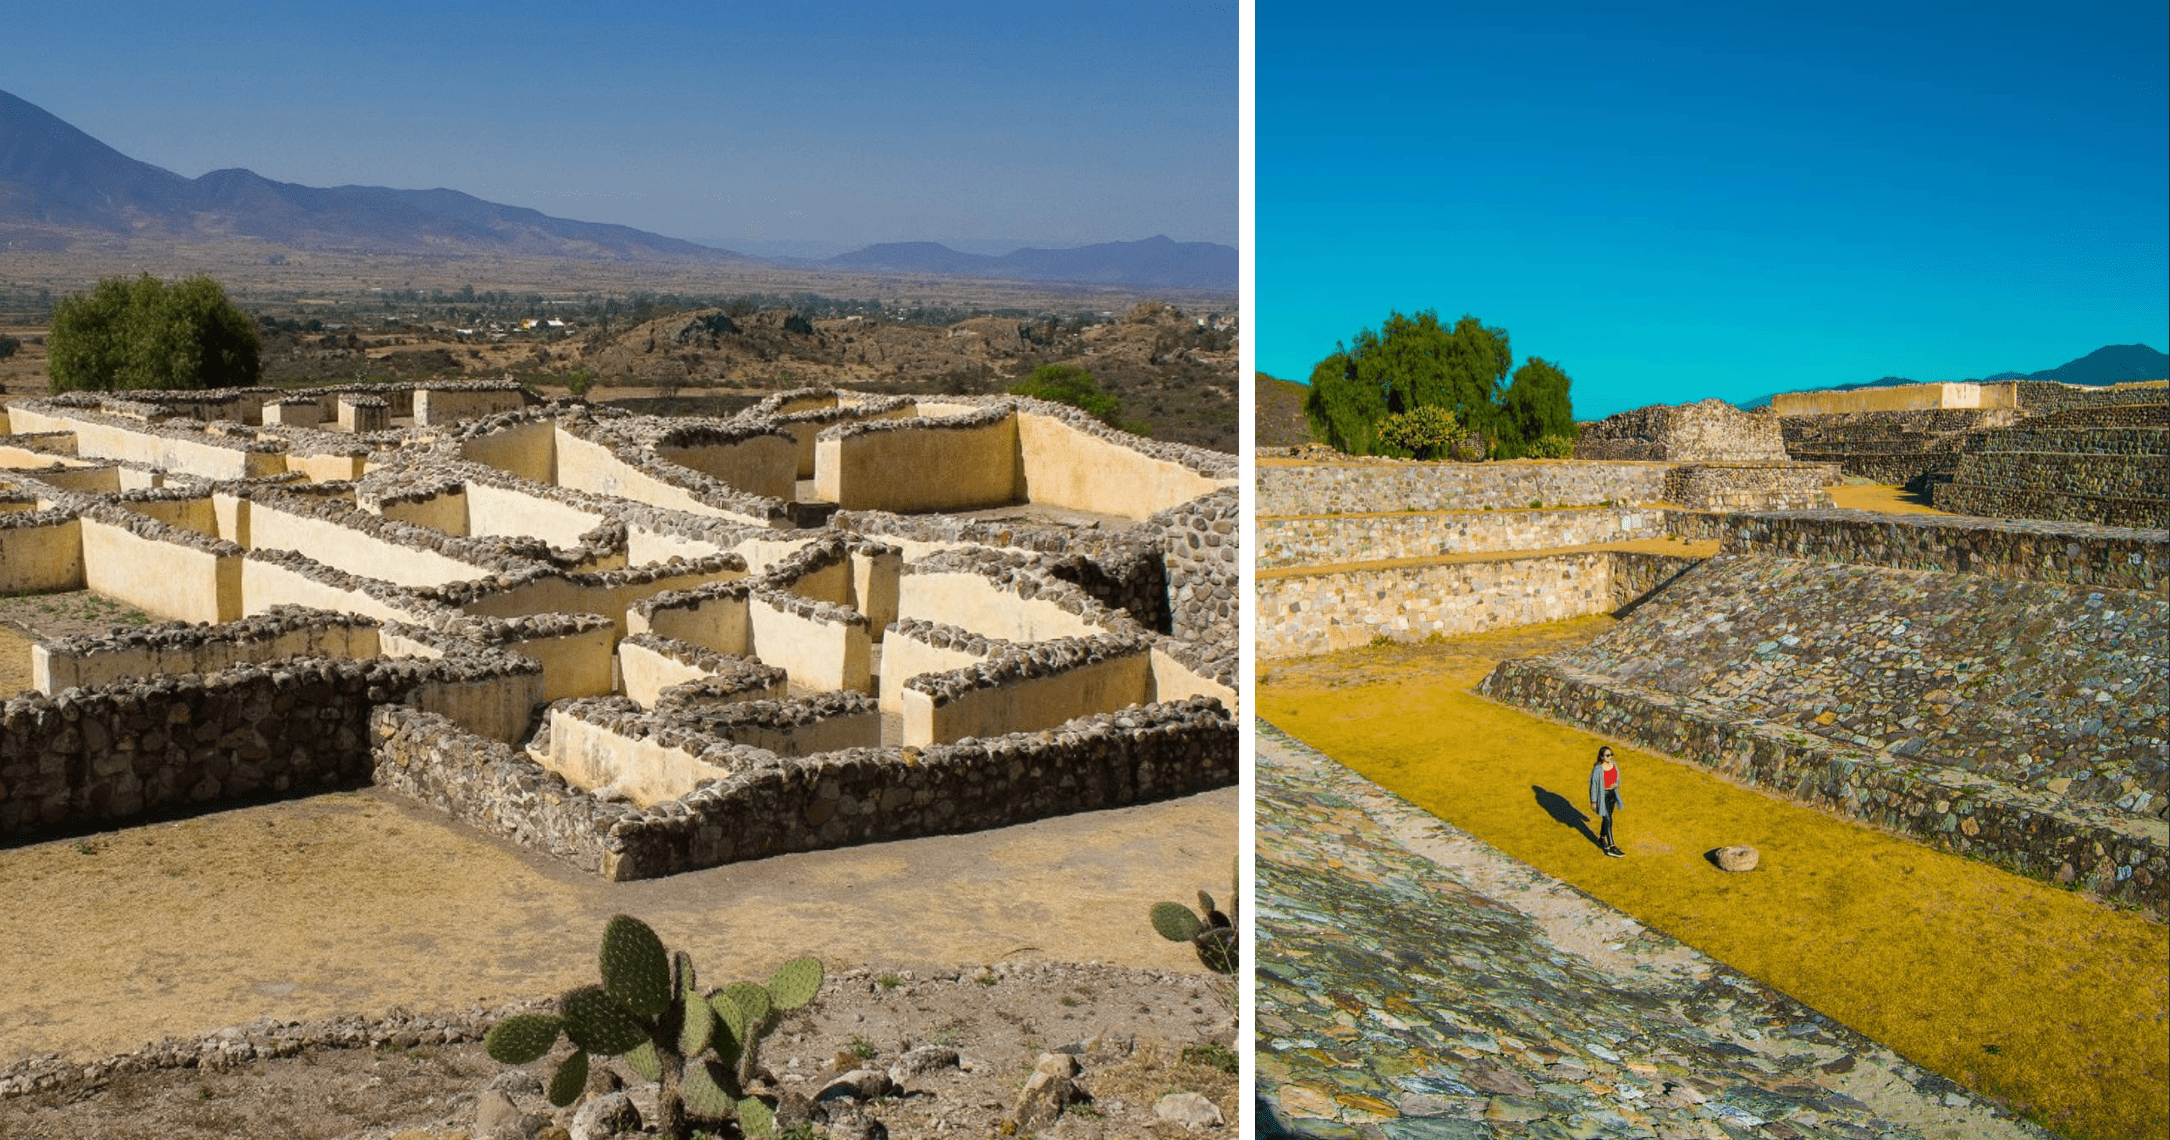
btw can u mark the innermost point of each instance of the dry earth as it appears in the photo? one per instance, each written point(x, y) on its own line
point(362, 902)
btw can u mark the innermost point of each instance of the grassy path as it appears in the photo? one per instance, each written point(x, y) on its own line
point(2044, 998)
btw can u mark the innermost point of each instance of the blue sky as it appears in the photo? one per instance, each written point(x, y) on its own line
point(840, 124)
point(1675, 201)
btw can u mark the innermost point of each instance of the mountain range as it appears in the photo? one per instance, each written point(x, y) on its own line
point(2110, 364)
point(57, 180)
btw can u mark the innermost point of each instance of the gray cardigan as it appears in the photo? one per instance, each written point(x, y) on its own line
point(1597, 787)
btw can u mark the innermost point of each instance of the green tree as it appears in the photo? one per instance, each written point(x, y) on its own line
point(1536, 406)
point(1409, 362)
point(1344, 412)
point(1072, 385)
point(148, 334)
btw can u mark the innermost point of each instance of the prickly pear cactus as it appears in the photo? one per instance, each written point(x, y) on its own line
point(1212, 935)
point(701, 1048)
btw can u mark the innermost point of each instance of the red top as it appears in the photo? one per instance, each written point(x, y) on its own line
point(1612, 777)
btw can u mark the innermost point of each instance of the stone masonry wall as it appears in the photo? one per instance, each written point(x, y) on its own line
point(1325, 540)
point(1710, 430)
point(791, 804)
point(2114, 476)
point(2004, 548)
point(1302, 614)
point(1751, 487)
point(1387, 486)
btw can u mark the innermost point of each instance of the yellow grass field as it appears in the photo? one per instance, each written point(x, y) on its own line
point(2049, 1000)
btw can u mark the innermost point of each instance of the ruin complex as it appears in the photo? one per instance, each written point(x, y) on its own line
point(1996, 686)
point(640, 645)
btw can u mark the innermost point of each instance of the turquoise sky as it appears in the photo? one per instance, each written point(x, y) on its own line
point(843, 123)
point(1681, 200)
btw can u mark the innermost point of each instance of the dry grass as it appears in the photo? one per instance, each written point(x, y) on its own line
point(2045, 998)
point(1882, 499)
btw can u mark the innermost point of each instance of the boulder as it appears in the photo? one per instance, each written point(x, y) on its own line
point(1738, 858)
point(1189, 1111)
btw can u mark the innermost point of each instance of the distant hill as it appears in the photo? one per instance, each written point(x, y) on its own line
point(1278, 415)
point(2112, 364)
point(57, 180)
point(53, 175)
point(1158, 262)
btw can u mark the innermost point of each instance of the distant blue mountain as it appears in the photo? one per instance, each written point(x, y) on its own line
point(2111, 364)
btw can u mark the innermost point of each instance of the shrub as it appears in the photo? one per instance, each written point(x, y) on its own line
point(1426, 432)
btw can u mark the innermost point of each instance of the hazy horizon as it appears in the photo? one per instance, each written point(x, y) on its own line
point(871, 124)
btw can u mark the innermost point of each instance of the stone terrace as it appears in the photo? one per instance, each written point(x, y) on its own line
point(1350, 551)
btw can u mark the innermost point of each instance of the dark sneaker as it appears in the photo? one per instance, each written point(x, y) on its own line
point(1616, 853)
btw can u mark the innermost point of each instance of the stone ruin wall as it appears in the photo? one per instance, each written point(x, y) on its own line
point(2111, 476)
point(474, 658)
point(2039, 450)
point(1709, 431)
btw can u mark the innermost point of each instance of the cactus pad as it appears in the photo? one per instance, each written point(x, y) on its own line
point(526, 1037)
point(731, 1025)
point(646, 1061)
point(795, 983)
point(703, 1088)
point(755, 1117)
point(636, 969)
point(698, 1025)
point(571, 1078)
point(1205, 903)
point(751, 999)
point(1175, 922)
point(598, 1024)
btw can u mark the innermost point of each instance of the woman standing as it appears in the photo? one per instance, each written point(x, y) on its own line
point(1605, 798)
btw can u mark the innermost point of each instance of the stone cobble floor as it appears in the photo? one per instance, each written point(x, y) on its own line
point(1413, 983)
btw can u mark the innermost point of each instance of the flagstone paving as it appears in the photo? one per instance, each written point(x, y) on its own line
point(1413, 983)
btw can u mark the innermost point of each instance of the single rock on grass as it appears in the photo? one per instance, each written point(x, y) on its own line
point(1738, 858)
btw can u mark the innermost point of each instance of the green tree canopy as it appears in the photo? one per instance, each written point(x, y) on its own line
point(146, 333)
point(1415, 362)
point(1535, 407)
point(1343, 411)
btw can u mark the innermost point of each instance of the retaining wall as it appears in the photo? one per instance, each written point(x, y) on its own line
point(1322, 540)
point(1389, 487)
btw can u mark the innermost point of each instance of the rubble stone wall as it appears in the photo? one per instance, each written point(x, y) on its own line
point(1324, 540)
point(1385, 487)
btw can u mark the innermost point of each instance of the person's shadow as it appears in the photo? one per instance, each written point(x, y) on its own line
point(1565, 813)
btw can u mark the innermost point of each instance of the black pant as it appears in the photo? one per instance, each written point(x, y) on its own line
point(1604, 832)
